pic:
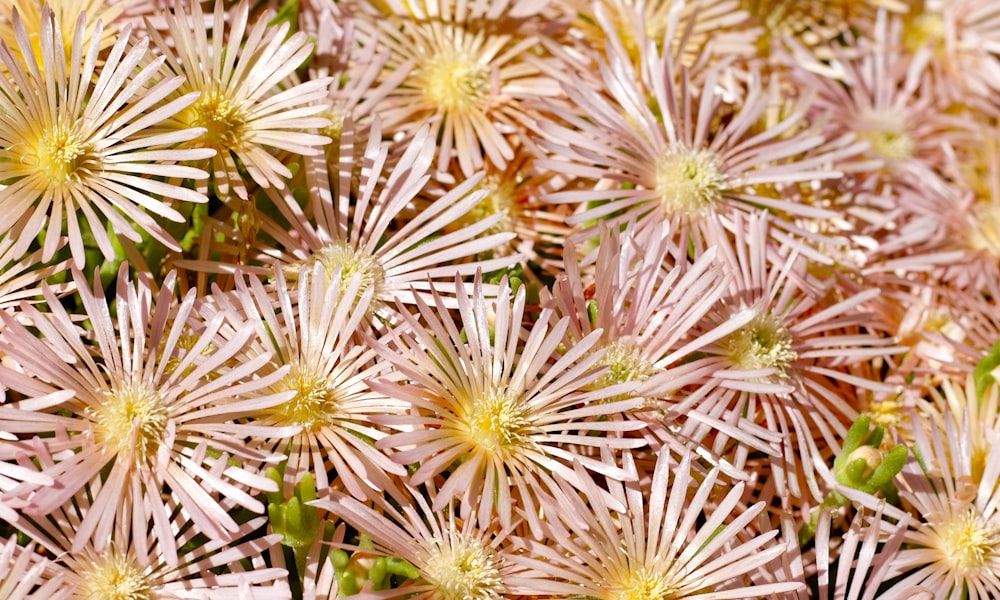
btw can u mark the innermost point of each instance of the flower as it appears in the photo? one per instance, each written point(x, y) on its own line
point(75, 139)
point(367, 228)
point(312, 333)
point(132, 567)
point(787, 367)
point(643, 300)
point(469, 77)
point(151, 402)
point(662, 147)
point(954, 547)
point(244, 107)
point(453, 557)
point(671, 543)
point(515, 411)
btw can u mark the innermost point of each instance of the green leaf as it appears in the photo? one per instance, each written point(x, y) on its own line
point(983, 373)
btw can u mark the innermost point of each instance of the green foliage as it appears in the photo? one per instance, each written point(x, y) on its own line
point(983, 373)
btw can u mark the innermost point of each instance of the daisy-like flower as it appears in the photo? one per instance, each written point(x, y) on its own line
point(312, 331)
point(787, 367)
point(25, 574)
point(151, 403)
point(364, 228)
point(455, 558)
point(816, 22)
point(517, 414)
point(672, 542)
point(245, 107)
point(954, 548)
point(644, 305)
point(472, 72)
point(76, 139)
point(662, 148)
point(137, 569)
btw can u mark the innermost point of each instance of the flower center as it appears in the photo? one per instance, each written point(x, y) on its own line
point(350, 262)
point(498, 419)
point(223, 120)
point(967, 542)
point(927, 29)
point(886, 135)
point(132, 410)
point(625, 363)
point(763, 343)
point(113, 577)
point(689, 182)
point(453, 79)
point(501, 200)
point(985, 234)
point(61, 156)
point(888, 412)
point(465, 570)
point(315, 403)
point(643, 585)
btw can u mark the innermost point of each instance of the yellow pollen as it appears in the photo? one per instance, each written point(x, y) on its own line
point(966, 542)
point(497, 420)
point(500, 200)
point(886, 134)
point(927, 29)
point(985, 234)
point(113, 577)
point(453, 79)
point(131, 410)
point(315, 403)
point(888, 412)
point(466, 569)
point(689, 182)
point(763, 343)
point(224, 121)
point(643, 585)
point(349, 261)
point(61, 157)
point(625, 363)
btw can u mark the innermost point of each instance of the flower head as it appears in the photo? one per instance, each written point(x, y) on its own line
point(244, 107)
point(75, 140)
point(131, 411)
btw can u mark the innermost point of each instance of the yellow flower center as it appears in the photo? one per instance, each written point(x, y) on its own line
point(689, 182)
point(501, 200)
point(625, 363)
point(113, 577)
point(349, 261)
point(132, 410)
point(497, 420)
point(454, 79)
point(643, 585)
point(763, 343)
point(61, 156)
point(985, 234)
point(927, 29)
point(888, 412)
point(224, 121)
point(966, 542)
point(465, 570)
point(886, 134)
point(315, 403)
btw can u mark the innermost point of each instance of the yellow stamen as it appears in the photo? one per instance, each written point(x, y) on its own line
point(497, 420)
point(131, 410)
point(763, 343)
point(689, 182)
point(466, 569)
point(315, 403)
point(113, 577)
point(453, 79)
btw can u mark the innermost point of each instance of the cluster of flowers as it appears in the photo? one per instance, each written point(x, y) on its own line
point(476, 299)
